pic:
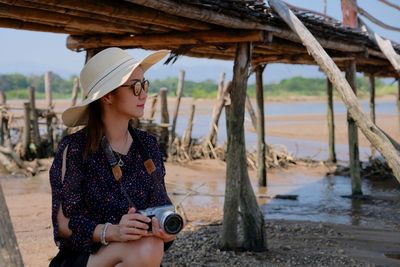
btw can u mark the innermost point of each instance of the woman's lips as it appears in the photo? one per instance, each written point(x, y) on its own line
point(140, 106)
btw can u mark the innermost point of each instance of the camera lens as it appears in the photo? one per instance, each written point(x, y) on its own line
point(173, 224)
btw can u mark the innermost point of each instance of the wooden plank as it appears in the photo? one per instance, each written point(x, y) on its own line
point(369, 129)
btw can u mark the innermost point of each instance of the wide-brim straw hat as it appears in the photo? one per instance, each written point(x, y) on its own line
point(103, 73)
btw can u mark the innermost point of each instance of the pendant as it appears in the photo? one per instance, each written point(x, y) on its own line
point(120, 162)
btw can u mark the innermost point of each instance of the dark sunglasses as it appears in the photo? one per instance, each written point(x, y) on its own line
point(137, 86)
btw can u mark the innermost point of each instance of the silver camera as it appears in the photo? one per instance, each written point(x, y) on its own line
point(170, 221)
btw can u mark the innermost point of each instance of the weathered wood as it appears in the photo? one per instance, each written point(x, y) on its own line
point(153, 107)
point(10, 254)
point(47, 89)
point(75, 89)
point(398, 100)
point(179, 92)
point(372, 114)
point(34, 118)
point(180, 38)
point(164, 134)
point(220, 89)
point(370, 130)
point(56, 19)
point(32, 26)
point(250, 110)
point(261, 147)
point(354, 158)
point(212, 133)
point(128, 11)
point(187, 136)
point(1, 128)
point(26, 141)
point(238, 189)
point(3, 98)
point(331, 122)
point(349, 12)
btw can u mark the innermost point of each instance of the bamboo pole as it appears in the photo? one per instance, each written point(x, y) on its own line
point(331, 122)
point(75, 89)
point(26, 141)
point(372, 114)
point(355, 172)
point(187, 136)
point(261, 148)
point(34, 118)
point(370, 130)
point(48, 89)
point(179, 92)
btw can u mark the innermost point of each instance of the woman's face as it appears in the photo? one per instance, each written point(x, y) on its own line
point(125, 102)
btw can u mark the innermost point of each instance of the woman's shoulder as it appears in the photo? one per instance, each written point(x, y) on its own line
point(149, 139)
point(75, 140)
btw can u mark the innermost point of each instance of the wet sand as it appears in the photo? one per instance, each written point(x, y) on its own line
point(375, 228)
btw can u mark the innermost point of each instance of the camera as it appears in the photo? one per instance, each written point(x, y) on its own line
point(170, 221)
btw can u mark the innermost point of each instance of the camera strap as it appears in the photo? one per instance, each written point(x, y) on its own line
point(142, 149)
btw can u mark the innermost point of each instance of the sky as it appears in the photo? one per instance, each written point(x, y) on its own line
point(29, 52)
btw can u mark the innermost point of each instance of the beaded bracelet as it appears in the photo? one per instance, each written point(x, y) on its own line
point(103, 234)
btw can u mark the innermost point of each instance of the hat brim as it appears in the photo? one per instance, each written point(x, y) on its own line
point(78, 115)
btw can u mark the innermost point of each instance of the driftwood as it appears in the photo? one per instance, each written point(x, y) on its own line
point(370, 130)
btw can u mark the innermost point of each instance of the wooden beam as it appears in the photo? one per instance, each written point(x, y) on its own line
point(128, 11)
point(32, 26)
point(261, 147)
point(180, 38)
point(370, 130)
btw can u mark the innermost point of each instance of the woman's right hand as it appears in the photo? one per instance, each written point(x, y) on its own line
point(132, 226)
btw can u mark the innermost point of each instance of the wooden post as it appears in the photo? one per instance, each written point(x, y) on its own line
point(349, 12)
point(153, 107)
point(179, 92)
point(75, 89)
point(331, 122)
point(372, 114)
point(353, 135)
point(3, 98)
point(238, 190)
point(34, 118)
point(398, 100)
point(261, 148)
point(10, 254)
point(212, 134)
point(47, 89)
point(1, 128)
point(251, 112)
point(369, 129)
point(26, 131)
point(164, 121)
point(187, 136)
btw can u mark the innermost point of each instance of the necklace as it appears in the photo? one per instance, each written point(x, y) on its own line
point(120, 161)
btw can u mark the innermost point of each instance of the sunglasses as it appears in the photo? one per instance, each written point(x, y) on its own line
point(137, 86)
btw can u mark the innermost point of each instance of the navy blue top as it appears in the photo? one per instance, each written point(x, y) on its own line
point(90, 195)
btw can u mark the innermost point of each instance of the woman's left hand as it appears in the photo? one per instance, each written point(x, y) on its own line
point(160, 233)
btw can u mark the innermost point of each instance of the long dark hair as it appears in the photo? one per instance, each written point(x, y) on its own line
point(94, 128)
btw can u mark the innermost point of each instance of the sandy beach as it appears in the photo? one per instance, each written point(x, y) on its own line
point(352, 233)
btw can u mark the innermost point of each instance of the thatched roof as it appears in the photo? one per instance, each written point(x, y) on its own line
point(199, 28)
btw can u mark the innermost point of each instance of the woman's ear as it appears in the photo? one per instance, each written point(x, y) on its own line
point(107, 99)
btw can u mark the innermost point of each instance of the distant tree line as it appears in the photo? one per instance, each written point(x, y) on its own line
point(15, 86)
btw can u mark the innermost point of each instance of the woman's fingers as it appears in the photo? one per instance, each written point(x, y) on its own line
point(138, 224)
point(138, 217)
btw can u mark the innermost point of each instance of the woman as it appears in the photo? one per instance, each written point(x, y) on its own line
point(94, 202)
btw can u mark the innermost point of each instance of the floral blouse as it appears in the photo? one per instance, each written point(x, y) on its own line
point(90, 195)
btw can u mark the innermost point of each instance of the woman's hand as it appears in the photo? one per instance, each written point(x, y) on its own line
point(132, 226)
point(160, 233)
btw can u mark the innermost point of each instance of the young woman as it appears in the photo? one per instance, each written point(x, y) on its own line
point(94, 202)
